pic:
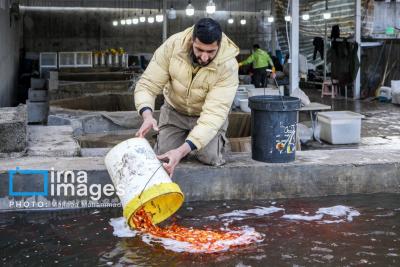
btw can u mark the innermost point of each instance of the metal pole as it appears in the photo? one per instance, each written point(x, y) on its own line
point(294, 33)
point(325, 40)
point(164, 36)
point(273, 29)
point(357, 82)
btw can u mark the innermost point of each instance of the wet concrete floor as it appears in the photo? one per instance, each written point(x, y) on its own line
point(381, 120)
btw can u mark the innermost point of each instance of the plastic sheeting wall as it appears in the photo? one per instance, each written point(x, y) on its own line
point(343, 14)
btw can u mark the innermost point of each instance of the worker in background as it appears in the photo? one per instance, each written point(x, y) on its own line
point(197, 72)
point(261, 62)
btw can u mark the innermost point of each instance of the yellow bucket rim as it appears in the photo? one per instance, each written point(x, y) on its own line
point(150, 194)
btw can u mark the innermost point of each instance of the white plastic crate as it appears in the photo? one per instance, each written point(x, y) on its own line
point(66, 59)
point(75, 59)
point(84, 59)
point(340, 127)
point(48, 60)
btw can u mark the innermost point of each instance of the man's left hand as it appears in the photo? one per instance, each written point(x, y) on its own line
point(173, 157)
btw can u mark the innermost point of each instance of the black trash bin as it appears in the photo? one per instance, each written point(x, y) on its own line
point(273, 128)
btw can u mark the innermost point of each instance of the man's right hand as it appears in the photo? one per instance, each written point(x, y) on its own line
point(148, 123)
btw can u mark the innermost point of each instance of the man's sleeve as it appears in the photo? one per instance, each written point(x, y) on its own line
point(248, 60)
point(216, 107)
point(271, 62)
point(154, 78)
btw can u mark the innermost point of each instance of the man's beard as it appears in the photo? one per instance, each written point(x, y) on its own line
point(197, 60)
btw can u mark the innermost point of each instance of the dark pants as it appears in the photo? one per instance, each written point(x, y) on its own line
point(260, 77)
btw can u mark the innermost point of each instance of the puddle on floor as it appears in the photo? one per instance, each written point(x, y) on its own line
point(337, 231)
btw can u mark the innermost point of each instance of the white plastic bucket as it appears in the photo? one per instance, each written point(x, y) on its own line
point(395, 92)
point(133, 165)
point(95, 59)
point(385, 93)
point(109, 60)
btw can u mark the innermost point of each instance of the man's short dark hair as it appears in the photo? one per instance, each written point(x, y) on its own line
point(256, 46)
point(207, 31)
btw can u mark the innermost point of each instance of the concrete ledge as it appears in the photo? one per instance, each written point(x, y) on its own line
point(38, 83)
point(85, 122)
point(315, 173)
point(52, 141)
point(13, 121)
point(37, 95)
point(77, 89)
point(37, 111)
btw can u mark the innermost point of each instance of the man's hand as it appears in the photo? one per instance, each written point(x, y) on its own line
point(173, 157)
point(148, 123)
point(273, 74)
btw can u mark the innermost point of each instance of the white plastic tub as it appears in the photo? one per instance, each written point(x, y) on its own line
point(340, 127)
point(244, 105)
point(241, 93)
point(395, 92)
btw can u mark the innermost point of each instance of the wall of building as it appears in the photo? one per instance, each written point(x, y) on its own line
point(9, 58)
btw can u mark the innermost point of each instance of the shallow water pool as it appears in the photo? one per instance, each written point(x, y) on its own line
point(335, 231)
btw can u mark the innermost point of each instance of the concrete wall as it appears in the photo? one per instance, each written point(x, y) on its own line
point(9, 58)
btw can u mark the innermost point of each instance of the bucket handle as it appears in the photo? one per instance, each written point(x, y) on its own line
point(149, 180)
point(277, 86)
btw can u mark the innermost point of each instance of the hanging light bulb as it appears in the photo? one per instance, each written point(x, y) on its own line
point(159, 17)
point(230, 20)
point(327, 14)
point(150, 18)
point(305, 16)
point(142, 17)
point(122, 21)
point(243, 21)
point(210, 8)
point(270, 19)
point(172, 13)
point(135, 20)
point(115, 23)
point(189, 9)
point(288, 18)
point(128, 21)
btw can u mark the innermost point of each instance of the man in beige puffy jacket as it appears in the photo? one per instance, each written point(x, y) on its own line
point(197, 72)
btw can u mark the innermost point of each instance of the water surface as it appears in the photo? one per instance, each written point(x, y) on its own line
point(295, 234)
